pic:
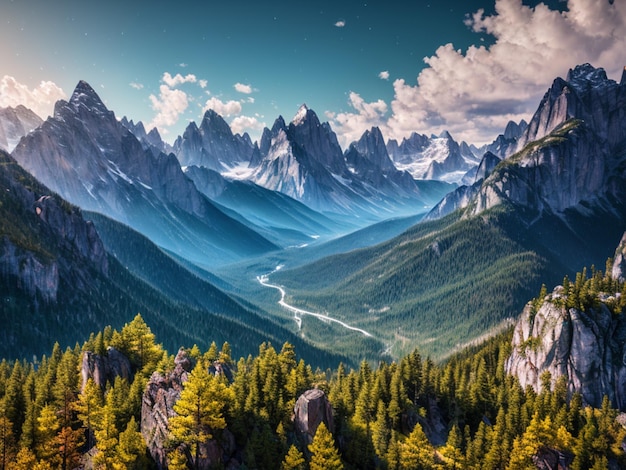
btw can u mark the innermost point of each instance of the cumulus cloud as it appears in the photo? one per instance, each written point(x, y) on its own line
point(340, 24)
point(242, 124)
point(169, 105)
point(474, 93)
point(365, 115)
point(223, 108)
point(384, 75)
point(178, 79)
point(203, 83)
point(40, 99)
point(136, 86)
point(241, 88)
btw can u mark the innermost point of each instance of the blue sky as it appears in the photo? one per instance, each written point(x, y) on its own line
point(465, 66)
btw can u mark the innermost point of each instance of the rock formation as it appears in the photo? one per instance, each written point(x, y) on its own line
point(15, 123)
point(311, 409)
point(105, 368)
point(587, 347)
point(157, 407)
point(619, 261)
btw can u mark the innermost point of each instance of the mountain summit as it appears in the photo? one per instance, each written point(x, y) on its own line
point(89, 158)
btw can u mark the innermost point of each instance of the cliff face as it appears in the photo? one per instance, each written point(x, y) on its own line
point(588, 348)
point(572, 151)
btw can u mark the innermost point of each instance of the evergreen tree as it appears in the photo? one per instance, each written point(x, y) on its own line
point(88, 406)
point(199, 410)
point(324, 454)
point(132, 447)
point(47, 428)
point(416, 453)
point(294, 460)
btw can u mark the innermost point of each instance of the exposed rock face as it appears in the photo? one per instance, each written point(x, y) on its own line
point(162, 392)
point(588, 348)
point(311, 409)
point(572, 150)
point(157, 406)
point(15, 123)
point(619, 261)
point(103, 369)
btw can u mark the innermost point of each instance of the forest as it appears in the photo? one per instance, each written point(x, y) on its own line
point(413, 413)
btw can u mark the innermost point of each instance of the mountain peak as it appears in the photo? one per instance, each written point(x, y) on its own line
point(86, 95)
point(581, 76)
point(301, 115)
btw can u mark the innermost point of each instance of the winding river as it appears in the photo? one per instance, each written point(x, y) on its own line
point(298, 312)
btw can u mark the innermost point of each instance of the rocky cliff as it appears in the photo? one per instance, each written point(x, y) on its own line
point(572, 151)
point(586, 344)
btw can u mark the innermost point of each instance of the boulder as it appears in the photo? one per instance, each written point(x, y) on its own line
point(311, 409)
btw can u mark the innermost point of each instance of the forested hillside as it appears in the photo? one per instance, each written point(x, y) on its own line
point(413, 413)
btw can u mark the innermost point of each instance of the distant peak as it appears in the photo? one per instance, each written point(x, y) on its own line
point(585, 74)
point(623, 80)
point(301, 115)
point(84, 93)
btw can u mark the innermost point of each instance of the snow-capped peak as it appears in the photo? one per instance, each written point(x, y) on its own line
point(300, 115)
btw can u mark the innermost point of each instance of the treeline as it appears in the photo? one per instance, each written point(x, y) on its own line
point(413, 413)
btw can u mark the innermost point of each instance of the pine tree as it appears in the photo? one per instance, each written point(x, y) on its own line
point(7, 439)
point(416, 453)
point(132, 447)
point(380, 430)
point(24, 460)
point(87, 406)
point(47, 428)
point(324, 454)
point(199, 410)
point(69, 442)
point(294, 460)
point(452, 451)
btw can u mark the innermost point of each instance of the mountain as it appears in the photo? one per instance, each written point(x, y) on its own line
point(552, 207)
point(59, 281)
point(149, 140)
point(304, 161)
point(213, 145)
point(15, 123)
point(436, 157)
point(276, 215)
point(573, 152)
point(88, 157)
point(506, 143)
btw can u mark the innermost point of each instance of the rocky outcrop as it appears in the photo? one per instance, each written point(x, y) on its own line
point(619, 261)
point(587, 347)
point(157, 407)
point(105, 368)
point(311, 409)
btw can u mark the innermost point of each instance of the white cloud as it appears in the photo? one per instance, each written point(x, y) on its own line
point(384, 75)
point(249, 124)
point(241, 88)
point(366, 116)
point(203, 83)
point(340, 24)
point(474, 93)
point(136, 86)
point(40, 99)
point(178, 79)
point(169, 105)
point(223, 108)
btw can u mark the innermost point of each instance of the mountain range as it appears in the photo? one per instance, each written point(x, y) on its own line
point(193, 224)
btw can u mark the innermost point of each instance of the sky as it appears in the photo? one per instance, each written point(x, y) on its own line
point(466, 66)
